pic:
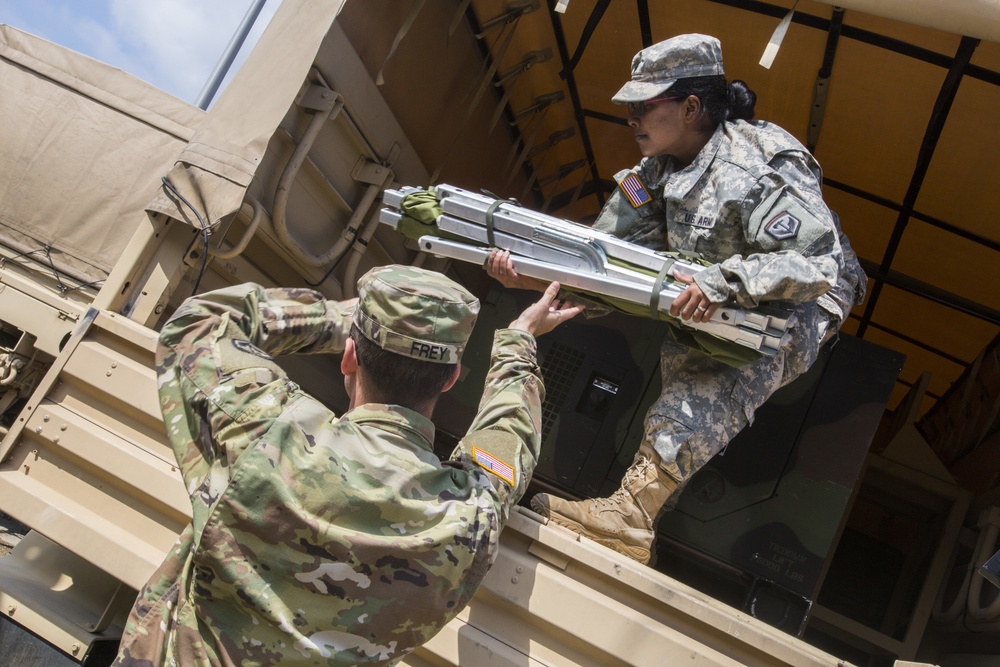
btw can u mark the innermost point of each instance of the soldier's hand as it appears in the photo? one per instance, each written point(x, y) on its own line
point(545, 314)
point(692, 302)
point(500, 266)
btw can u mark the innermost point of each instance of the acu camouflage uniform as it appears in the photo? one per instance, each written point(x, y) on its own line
point(751, 203)
point(318, 539)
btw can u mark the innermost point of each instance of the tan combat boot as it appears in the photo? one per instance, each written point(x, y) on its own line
point(623, 522)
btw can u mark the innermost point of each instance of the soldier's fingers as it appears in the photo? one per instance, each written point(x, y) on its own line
point(692, 303)
point(685, 278)
point(550, 293)
point(492, 264)
point(689, 311)
point(677, 304)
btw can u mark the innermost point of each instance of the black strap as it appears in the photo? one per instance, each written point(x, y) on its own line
point(489, 221)
point(489, 216)
point(654, 297)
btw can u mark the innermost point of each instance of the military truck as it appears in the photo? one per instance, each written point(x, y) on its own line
point(848, 525)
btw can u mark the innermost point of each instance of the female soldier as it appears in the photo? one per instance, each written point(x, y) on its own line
point(747, 197)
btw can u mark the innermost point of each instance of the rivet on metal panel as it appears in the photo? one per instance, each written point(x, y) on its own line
point(38, 429)
point(513, 580)
point(11, 608)
point(108, 373)
point(75, 648)
point(520, 569)
point(45, 418)
point(55, 440)
point(62, 427)
point(114, 364)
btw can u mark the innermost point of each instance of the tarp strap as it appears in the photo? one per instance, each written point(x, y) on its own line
point(458, 17)
point(501, 48)
point(509, 79)
point(537, 122)
point(400, 34)
point(776, 38)
point(579, 188)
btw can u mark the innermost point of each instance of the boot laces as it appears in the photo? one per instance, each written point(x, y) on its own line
point(621, 496)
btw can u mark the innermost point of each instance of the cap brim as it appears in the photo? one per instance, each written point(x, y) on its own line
point(640, 91)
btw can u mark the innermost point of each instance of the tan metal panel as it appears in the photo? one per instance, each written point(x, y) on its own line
point(557, 600)
point(89, 464)
point(129, 383)
point(77, 602)
point(38, 311)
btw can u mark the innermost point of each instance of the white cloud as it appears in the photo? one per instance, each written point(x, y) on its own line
point(173, 45)
point(181, 41)
point(103, 43)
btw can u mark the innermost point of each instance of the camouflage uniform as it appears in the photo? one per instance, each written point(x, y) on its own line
point(317, 539)
point(751, 204)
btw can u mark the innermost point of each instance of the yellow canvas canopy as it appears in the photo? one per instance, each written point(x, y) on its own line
point(897, 105)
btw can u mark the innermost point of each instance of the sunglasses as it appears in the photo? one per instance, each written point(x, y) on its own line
point(639, 108)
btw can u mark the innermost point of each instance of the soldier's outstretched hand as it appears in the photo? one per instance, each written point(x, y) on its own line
point(545, 314)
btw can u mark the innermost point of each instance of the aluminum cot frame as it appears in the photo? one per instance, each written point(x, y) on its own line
point(577, 256)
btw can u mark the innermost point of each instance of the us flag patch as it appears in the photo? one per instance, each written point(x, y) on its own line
point(635, 191)
point(486, 460)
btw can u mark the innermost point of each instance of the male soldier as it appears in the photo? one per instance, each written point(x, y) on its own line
point(325, 540)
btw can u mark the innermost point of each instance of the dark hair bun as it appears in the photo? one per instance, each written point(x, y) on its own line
point(742, 101)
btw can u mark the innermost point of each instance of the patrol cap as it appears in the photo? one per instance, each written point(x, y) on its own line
point(656, 68)
point(416, 313)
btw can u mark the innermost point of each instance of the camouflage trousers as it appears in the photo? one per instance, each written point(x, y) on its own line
point(704, 403)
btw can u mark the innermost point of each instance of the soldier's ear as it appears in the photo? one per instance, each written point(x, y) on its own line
point(691, 107)
point(453, 379)
point(349, 362)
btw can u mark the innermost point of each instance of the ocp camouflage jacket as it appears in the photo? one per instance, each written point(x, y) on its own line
point(317, 539)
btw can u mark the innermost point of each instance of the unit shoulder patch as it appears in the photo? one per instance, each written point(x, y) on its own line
point(783, 226)
point(236, 353)
point(784, 221)
point(247, 347)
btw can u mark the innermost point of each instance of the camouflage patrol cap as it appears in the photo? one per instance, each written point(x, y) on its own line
point(656, 68)
point(416, 313)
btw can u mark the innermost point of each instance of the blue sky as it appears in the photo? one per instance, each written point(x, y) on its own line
point(173, 44)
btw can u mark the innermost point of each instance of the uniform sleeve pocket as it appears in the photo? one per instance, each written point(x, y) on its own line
point(784, 222)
